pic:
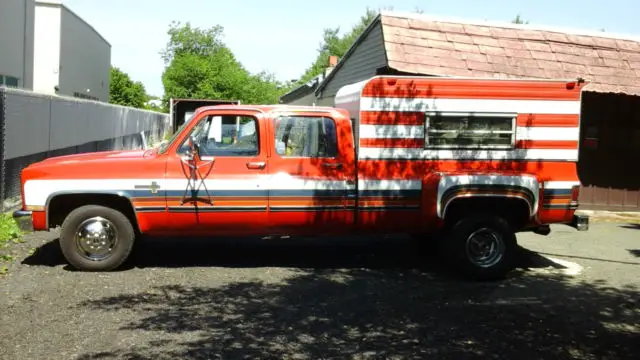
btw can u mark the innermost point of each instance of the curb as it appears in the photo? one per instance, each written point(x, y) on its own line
point(610, 215)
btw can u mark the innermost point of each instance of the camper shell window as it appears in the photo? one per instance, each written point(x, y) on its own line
point(470, 130)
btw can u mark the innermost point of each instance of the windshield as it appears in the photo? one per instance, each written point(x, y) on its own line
point(173, 137)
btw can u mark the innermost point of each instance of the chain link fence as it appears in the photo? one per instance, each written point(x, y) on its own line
point(37, 126)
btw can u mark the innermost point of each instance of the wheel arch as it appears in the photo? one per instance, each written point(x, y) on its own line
point(60, 204)
point(515, 197)
point(487, 197)
point(516, 209)
point(453, 187)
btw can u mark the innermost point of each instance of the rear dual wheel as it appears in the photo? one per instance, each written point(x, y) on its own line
point(96, 238)
point(481, 247)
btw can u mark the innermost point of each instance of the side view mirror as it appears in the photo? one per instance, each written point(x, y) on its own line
point(194, 149)
point(281, 147)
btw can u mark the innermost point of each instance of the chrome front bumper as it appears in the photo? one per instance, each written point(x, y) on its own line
point(23, 219)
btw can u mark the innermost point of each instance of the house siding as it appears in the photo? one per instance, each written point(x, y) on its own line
point(368, 56)
point(309, 99)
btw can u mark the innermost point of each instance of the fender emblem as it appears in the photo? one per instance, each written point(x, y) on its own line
point(153, 187)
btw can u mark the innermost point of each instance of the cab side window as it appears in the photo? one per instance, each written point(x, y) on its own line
point(306, 136)
point(220, 135)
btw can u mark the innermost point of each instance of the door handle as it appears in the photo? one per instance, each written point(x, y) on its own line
point(332, 165)
point(256, 165)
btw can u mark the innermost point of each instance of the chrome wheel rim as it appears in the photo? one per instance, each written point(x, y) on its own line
point(485, 248)
point(96, 238)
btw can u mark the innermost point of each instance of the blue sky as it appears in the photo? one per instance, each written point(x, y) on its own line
point(282, 36)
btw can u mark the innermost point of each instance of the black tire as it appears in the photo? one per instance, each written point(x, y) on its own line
point(458, 247)
point(124, 236)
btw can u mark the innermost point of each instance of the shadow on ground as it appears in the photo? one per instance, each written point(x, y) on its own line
point(364, 300)
point(325, 253)
point(631, 226)
point(345, 314)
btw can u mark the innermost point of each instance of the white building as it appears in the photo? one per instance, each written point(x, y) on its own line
point(47, 48)
point(70, 57)
point(16, 43)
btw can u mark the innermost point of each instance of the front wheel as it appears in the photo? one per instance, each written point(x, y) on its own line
point(96, 238)
point(482, 247)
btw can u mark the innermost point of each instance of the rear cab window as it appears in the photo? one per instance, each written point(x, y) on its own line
point(306, 136)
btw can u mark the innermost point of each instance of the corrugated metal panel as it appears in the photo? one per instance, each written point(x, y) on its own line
point(362, 64)
point(27, 122)
point(38, 123)
point(36, 126)
point(2, 163)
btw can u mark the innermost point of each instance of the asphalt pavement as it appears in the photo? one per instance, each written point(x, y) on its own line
point(574, 296)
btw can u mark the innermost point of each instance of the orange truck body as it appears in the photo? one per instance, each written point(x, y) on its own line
point(394, 155)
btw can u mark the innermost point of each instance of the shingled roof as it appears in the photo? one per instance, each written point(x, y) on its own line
point(415, 43)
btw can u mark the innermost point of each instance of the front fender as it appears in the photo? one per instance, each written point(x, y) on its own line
point(96, 197)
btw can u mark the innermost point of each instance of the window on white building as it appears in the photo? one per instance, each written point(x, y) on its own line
point(9, 81)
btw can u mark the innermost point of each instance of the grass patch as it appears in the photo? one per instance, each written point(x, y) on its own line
point(7, 257)
point(9, 230)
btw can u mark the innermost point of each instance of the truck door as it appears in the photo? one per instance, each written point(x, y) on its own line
point(224, 192)
point(309, 179)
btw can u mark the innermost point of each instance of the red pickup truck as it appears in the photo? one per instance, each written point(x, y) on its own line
point(473, 161)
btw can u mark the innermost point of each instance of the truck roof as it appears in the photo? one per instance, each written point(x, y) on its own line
point(273, 108)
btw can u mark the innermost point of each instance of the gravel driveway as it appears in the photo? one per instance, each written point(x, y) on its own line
point(576, 297)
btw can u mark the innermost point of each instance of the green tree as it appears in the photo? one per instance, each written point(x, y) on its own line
point(518, 20)
point(124, 91)
point(335, 44)
point(200, 65)
point(152, 106)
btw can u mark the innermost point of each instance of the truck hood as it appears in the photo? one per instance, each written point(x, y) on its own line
point(97, 156)
point(100, 165)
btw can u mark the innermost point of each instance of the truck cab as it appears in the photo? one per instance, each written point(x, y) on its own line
point(362, 167)
point(260, 170)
